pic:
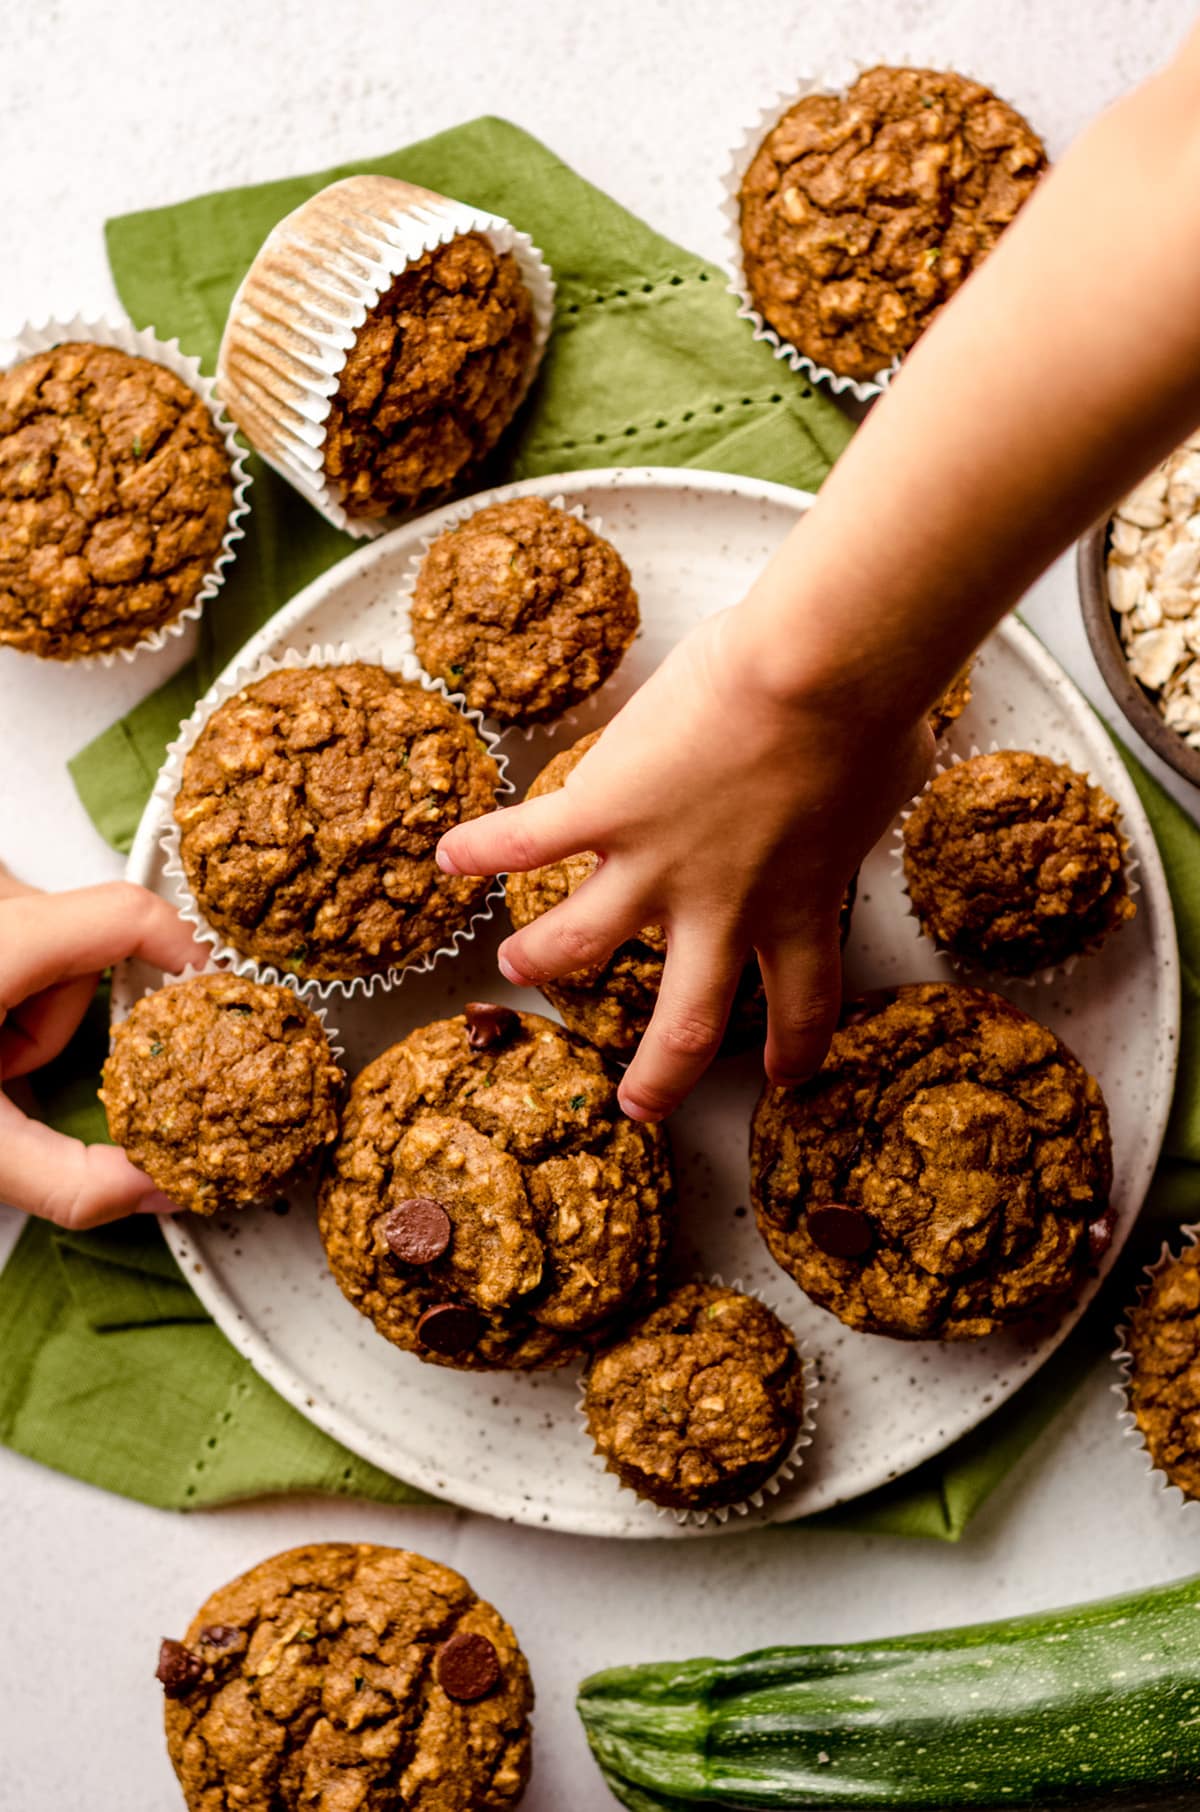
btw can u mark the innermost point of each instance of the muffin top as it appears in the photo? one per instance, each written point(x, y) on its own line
point(1016, 862)
point(611, 1002)
point(699, 1403)
point(432, 379)
point(347, 1675)
point(524, 609)
point(944, 1173)
point(1163, 1340)
point(309, 811)
point(115, 494)
point(488, 1206)
point(861, 213)
point(221, 1089)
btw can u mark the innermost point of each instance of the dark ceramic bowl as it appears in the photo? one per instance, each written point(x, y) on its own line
point(1134, 701)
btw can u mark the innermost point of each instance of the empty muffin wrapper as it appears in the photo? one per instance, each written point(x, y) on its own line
point(303, 302)
point(783, 1473)
point(742, 156)
point(171, 776)
point(1123, 1359)
point(973, 971)
point(33, 338)
point(585, 713)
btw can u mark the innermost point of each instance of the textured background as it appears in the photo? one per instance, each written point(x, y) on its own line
point(118, 106)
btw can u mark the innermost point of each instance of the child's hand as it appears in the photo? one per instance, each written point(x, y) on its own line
point(52, 950)
point(729, 814)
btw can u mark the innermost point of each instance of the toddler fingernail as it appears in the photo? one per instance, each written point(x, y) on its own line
point(511, 973)
point(156, 1203)
point(446, 863)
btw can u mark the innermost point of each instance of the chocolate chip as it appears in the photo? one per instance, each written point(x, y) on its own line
point(417, 1230)
point(489, 1025)
point(1100, 1234)
point(467, 1666)
point(449, 1328)
point(839, 1231)
point(224, 1637)
point(178, 1669)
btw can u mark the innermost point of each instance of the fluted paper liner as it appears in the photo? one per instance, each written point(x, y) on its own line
point(571, 716)
point(1123, 1359)
point(303, 302)
point(788, 1466)
point(977, 972)
point(171, 776)
point(145, 344)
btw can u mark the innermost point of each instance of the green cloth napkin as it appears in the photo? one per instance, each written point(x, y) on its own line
point(111, 1369)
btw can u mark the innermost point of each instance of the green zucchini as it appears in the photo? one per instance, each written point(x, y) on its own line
point(1096, 1707)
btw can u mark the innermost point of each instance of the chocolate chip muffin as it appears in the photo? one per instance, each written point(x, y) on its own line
point(862, 213)
point(611, 1002)
point(432, 379)
point(1016, 862)
point(221, 1090)
point(701, 1402)
point(1163, 1341)
point(946, 1172)
point(488, 1206)
point(524, 609)
point(115, 495)
point(341, 1676)
point(309, 811)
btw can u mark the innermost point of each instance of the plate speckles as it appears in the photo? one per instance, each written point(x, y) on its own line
point(884, 1408)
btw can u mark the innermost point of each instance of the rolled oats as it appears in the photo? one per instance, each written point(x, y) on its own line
point(1153, 585)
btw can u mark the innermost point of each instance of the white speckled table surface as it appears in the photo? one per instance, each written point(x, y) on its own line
point(113, 107)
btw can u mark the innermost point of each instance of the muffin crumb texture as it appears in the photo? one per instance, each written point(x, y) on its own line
point(862, 213)
point(115, 495)
point(1016, 862)
point(348, 1676)
point(221, 1090)
point(946, 1172)
point(309, 811)
point(700, 1403)
point(1164, 1384)
point(488, 1206)
point(432, 380)
point(524, 609)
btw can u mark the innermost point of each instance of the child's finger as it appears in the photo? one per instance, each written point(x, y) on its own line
point(48, 937)
point(37, 1030)
point(688, 1023)
point(583, 930)
point(803, 977)
point(63, 1180)
point(517, 838)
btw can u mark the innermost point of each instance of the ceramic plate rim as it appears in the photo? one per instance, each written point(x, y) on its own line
point(332, 1419)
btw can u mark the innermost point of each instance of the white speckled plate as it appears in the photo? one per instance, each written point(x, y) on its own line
point(511, 1445)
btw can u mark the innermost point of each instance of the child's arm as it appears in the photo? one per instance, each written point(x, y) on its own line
point(735, 793)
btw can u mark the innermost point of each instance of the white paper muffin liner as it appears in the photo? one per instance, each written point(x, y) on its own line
point(836, 82)
point(319, 1012)
point(42, 337)
point(572, 716)
point(976, 972)
point(1123, 1360)
point(317, 276)
point(171, 775)
point(788, 1466)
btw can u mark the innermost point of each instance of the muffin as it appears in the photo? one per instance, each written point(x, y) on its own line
point(309, 810)
point(611, 1002)
point(115, 495)
point(344, 1675)
point(524, 609)
point(1163, 1342)
point(862, 213)
point(221, 1090)
point(944, 1174)
point(953, 702)
point(1015, 862)
point(488, 1206)
point(701, 1402)
point(381, 343)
